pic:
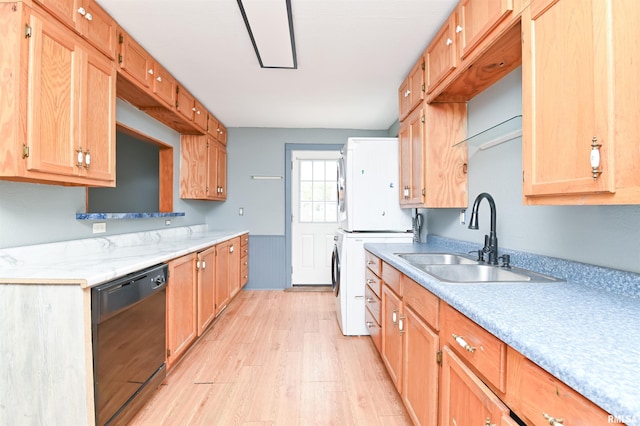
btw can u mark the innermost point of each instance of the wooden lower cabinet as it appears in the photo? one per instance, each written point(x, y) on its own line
point(206, 266)
point(227, 272)
point(244, 260)
point(465, 399)
point(182, 328)
point(420, 369)
point(234, 267)
point(391, 335)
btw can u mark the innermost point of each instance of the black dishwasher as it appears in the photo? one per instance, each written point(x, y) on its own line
point(128, 317)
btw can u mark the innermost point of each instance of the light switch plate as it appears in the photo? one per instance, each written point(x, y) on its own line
point(99, 227)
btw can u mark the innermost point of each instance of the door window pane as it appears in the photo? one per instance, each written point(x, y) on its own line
point(318, 191)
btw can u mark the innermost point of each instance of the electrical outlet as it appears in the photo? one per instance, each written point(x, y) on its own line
point(167, 222)
point(241, 211)
point(99, 227)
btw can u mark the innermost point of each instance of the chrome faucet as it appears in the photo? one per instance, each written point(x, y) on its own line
point(491, 240)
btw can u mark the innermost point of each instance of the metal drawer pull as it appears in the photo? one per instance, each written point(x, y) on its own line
point(369, 324)
point(552, 420)
point(401, 324)
point(369, 300)
point(463, 343)
point(370, 281)
point(394, 317)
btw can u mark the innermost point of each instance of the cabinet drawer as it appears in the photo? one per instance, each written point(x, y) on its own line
point(244, 240)
point(373, 263)
point(392, 277)
point(423, 302)
point(481, 350)
point(374, 329)
point(540, 394)
point(372, 301)
point(374, 282)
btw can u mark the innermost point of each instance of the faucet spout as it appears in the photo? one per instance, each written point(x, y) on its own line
point(491, 243)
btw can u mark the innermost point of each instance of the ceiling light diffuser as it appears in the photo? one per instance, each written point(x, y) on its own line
point(270, 27)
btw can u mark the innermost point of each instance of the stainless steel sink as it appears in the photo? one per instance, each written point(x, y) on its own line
point(483, 274)
point(417, 259)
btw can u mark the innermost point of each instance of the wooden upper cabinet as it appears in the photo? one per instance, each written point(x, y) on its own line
point(203, 168)
point(411, 92)
point(67, 104)
point(578, 68)
point(441, 56)
point(200, 116)
point(185, 103)
point(134, 60)
point(88, 19)
point(476, 18)
point(164, 85)
point(412, 166)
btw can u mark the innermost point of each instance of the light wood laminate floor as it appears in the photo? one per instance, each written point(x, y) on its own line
point(277, 358)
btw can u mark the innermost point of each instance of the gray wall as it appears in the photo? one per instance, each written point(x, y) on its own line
point(34, 213)
point(261, 152)
point(601, 235)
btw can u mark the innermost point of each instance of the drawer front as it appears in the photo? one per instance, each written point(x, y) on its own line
point(392, 277)
point(244, 240)
point(480, 349)
point(244, 270)
point(542, 396)
point(374, 282)
point(374, 329)
point(373, 263)
point(423, 302)
point(372, 302)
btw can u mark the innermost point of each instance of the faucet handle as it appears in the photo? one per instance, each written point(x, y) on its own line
point(505, 261)
point(480, 254)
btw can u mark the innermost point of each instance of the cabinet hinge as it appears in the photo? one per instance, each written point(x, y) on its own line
point(25, 151)
point(423, 88)
point(120, 39)
point(439, 357)
point(422, 65)
point(424, 191)
point(168, 352)
point(119, 58)
point(27, 31)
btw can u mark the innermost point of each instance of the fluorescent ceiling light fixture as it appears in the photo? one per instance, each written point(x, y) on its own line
point(270, 27)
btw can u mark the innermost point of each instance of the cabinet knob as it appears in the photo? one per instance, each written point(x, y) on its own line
point(394, 317)
point(150, 72)
point(370, 281)
point(88, 17)
point(79, 157)
point(369, 300)
point(159, 79)
point(87, 159)
point(193, 109)
point(231, 249)
point(449, 42)
point(401, 324)
point(82, 11)
point(459, 29)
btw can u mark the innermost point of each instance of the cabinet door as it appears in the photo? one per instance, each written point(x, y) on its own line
point(134, 60)
point(185, 104)
point(193, 167)
point(65, 10)
point(181, 307)
point(477, 18)
point(206, 265)
point(391, 336)
point(464, 399)
point(420, 373)
point(164, 85)
point(412, 159)
point(200, 116)
point(221, 171)
point(223, 275)
point(441, 56)
point(55, 65)
point(411, 91)
point(567, 97)
point(234, 266)
point(222, 134)
point(99, 118)
point(213, 188)
point(99, 28)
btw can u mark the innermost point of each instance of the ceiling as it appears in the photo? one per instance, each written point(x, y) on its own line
point(351, 54)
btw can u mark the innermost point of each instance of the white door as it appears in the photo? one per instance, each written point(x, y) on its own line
point(314, 209)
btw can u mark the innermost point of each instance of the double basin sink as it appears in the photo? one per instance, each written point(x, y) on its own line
point(457, 268)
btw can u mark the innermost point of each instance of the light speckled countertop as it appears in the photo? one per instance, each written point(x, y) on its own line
point(585, 331)
point(92, 261)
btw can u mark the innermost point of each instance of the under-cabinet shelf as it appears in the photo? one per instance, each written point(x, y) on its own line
point(495, 135)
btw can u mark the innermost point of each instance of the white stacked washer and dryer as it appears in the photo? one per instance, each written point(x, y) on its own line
point(368, 212)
